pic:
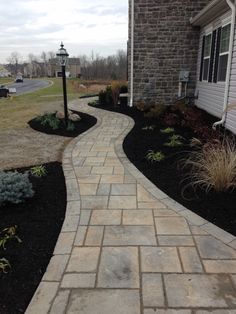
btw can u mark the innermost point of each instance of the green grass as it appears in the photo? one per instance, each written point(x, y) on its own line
point(16, 111)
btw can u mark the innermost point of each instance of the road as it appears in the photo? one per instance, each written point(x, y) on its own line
point(28, 86)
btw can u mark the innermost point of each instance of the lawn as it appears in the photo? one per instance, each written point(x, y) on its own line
point(16, 111)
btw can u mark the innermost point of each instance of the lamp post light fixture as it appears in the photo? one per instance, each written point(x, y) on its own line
point(62, 56)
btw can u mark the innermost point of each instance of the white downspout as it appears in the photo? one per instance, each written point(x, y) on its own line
point(227, 81)
point(132, 56)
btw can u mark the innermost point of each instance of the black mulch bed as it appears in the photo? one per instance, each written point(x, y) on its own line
point(86, 122)
point(220, 209)
point(38, 222)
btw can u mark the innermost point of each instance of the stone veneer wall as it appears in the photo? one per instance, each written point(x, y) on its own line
point(164, 44)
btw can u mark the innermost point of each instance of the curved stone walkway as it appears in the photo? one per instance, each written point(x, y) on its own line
point(125, 247)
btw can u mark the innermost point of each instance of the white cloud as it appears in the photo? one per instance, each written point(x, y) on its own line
point(33, 26)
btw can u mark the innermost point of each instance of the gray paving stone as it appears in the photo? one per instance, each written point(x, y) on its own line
point(171, 226)
point(221, 311)
point(56, 268)
point(193, 218)
point(94, 236)
point(129, 235)
point(220, 266)
point(106, 217)
point(164, 212)
point(113, 178)
point(89, 179)
point(190, 260)
point(84, 217)
point(94, 202)
point(199, 291)
point(152, 290)
point(43, 297)
point(60, 302)
point(160, 259)
point(122, 202)
point(74, 281)
point(88, 188)
point(103, 189)
point(82, 171)
point(119, 268)
point(175, 240)
point(197, 230)
point(210, 247)
point(73, 208)
point(218, 232)
point(72, 190)
point(70, 223)
point(115, 301)
point(169, 311)
point(84, 259)
point(123, 189)
point(64, 243)
point(80, 235)
point(137, 217)
point(102, 170)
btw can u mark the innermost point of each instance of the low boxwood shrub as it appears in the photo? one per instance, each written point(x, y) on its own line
point(15, 187)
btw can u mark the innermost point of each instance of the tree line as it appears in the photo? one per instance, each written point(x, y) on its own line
point(92, 67)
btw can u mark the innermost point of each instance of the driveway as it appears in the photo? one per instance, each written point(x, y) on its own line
point(29, 86)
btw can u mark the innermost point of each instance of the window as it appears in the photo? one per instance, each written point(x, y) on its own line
point(224, 52)
point(206, 57)
point(214, 58)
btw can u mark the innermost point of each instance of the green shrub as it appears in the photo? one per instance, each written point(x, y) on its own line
point(155, 156)
point(174, 141)
point(105, 97)
point(38, 171)
point(8, 234)
point(49, 119)
point(15, 187)
point(4, 265)
point(167, 130)
point(70, 126)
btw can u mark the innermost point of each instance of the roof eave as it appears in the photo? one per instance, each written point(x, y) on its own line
point(209, 12)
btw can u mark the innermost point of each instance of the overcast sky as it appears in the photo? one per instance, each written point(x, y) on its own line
point(33, 26)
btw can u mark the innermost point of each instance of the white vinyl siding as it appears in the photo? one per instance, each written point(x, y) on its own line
point(210, 94)
point(231, 114)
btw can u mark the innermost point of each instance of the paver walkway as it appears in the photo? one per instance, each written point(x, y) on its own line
point(125, 247)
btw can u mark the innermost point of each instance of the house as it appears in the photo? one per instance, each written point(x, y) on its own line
point(4, 72)
point(72, 68)
point(184, 48)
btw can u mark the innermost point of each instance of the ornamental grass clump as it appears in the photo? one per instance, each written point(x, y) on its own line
point(15, 187)
point(212, 168)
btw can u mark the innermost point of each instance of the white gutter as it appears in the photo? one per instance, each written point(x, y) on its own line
point(132, 56)
point(227, 81)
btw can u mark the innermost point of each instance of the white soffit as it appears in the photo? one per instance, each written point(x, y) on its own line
point(214, 9)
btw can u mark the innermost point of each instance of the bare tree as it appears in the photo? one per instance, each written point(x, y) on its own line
point(14, 60)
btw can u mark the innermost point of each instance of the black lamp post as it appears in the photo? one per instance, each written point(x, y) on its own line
point(62, 56)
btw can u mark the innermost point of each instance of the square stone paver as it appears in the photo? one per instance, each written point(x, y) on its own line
point(152, 290)
point(122, 202)
point(175, 240)
point(84, 259)
point(106, 217)
point(129, 235)
point(137, 217)
point(119, 268)
point(60, 302)
point(123, 189)
point(102, 170)
point(115, 301)
point(104, 189)
point(115, 178)
point(220, 266)
point(211, 248)
point(159, 260)
point(171, 226)
point(199, 290)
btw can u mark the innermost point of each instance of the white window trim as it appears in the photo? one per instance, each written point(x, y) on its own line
point(207, 57)
point(222, 53)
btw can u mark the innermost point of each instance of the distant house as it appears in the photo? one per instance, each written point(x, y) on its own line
point(184, 48)
point(4, 72)
point(72, 68)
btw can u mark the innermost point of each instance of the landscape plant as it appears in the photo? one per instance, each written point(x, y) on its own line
point(15, 187)
point(38, 171)
point(4, 265)
point(174, 141)
point(213, 167)
point(49, 119)
point(167, 130)
point(155, 156)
